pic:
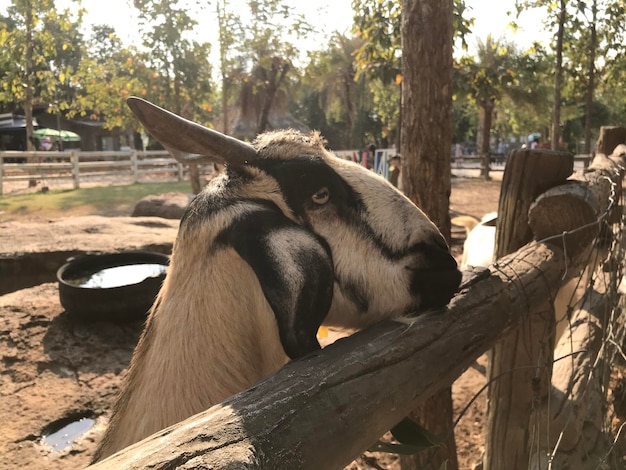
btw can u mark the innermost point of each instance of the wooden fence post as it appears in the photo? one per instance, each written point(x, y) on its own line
point(134, 165)
point(609, 138)
point(74, 159)
point(520, 365)
point(1, 171)
point(570, 423)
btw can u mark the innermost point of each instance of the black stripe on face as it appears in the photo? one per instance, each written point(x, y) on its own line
point(300, 178)
point(436, 277)
point(299, 306)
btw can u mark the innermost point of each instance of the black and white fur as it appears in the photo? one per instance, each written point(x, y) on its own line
point(287, 238)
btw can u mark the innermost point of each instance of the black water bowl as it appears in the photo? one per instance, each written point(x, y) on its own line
point(116, 287)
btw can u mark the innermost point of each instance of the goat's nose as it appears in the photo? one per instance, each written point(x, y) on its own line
point(438, 279)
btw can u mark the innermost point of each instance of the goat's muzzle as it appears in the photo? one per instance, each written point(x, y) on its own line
point(437, 279)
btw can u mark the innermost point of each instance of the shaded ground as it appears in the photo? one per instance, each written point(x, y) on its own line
point(56, 367)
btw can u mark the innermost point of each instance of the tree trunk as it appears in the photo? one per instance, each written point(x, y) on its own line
point(28, 103)
point(426, 138)
point(427, 106)
point(221, 17)
point(558, 80)
point(277, 74)
point(591, 75)
point(194, 177)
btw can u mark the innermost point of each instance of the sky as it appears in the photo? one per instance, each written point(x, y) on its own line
point(331, 15)
point(336, 15)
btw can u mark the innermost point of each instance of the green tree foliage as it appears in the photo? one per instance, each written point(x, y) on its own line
point(611, 93)
point(230, 30)
point(184, 71)
point(526, 101)
point(556, 19)
point(591, 38)
point(271, 51)
point(108, 74)
point(331, 76)
point(377, 24)
point(385, 99)
point(594, 45)
point(497, 70)
point(39, 50)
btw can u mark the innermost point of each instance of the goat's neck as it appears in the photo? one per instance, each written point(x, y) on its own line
point(206, 339)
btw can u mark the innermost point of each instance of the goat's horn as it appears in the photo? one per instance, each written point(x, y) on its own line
point(188, 141)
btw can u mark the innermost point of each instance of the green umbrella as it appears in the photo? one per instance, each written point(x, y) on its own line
point(65, 136)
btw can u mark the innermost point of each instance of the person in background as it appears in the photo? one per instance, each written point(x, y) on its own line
point(46, 144)
point(395, 164)
point(535, 142)
point(501, 147)
point(458, 155)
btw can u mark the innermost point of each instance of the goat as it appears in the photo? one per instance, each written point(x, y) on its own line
point(287, 237)
point(478, 249)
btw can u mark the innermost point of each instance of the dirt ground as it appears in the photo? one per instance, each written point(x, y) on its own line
point(57, 370)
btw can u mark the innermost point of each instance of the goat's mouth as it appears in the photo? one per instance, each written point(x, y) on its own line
point(435, 276)
point(435, 286)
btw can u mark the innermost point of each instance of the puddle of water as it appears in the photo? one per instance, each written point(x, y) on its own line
point(118, 276)
point(65, 437)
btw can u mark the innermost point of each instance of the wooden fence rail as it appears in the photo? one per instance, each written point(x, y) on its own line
point(323, 410)
point(135, 166)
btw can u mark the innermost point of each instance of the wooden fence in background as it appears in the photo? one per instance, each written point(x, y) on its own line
point(136, 166)
point(132, 166)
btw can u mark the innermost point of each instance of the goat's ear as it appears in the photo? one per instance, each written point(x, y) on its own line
point(188, 141)
point(295, 270)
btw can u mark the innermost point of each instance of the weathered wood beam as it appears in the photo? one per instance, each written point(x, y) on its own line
point(323, 410)
point(528, 174)
point(569, 425)
point(565, 215)
point(609, 138)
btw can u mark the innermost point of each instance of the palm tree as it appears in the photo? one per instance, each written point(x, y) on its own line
point(332, 74)
point(499, 70)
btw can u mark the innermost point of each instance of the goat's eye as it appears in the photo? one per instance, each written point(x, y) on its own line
point(321, 196)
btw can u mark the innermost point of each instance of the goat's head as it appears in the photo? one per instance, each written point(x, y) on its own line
point(328, 240)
